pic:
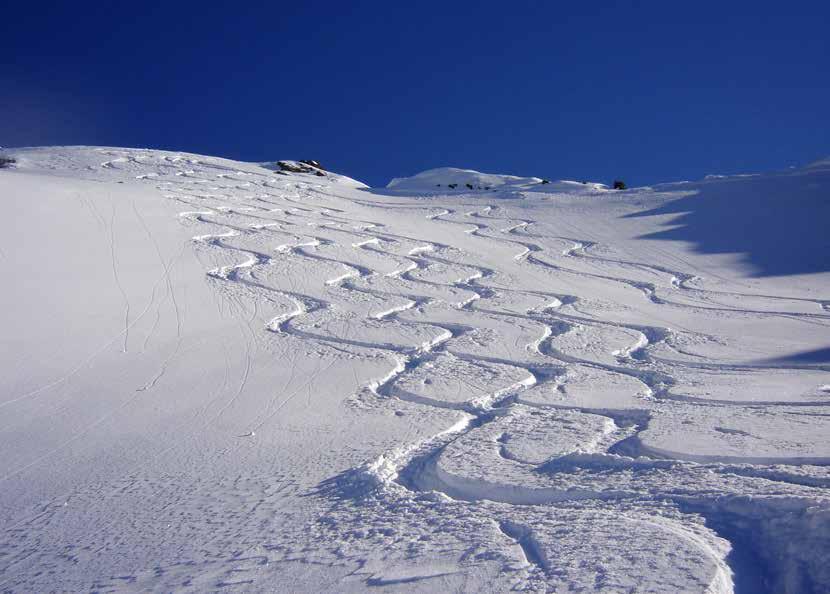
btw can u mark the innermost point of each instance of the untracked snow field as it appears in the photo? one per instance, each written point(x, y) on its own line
point(217, 377)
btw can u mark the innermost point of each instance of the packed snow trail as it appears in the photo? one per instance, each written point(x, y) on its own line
point(411, 388)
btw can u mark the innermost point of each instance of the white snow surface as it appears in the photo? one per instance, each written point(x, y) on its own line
point(443, 178)
point(217, 378)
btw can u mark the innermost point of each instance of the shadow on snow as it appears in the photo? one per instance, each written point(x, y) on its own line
point(780, 223)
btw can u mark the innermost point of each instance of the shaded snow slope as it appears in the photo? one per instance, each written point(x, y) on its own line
point(219, 378)
point(778, 222)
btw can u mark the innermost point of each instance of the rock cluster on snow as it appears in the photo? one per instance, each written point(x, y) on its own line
point(302, 166)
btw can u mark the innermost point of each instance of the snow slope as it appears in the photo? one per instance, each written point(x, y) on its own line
point(446, 179)
point(219, 378)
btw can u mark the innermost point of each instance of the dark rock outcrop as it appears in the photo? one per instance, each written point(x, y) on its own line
point(305, 166)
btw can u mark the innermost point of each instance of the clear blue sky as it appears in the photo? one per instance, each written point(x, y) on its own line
point(645, 92)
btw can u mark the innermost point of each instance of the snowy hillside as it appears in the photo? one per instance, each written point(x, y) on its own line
point(444, 179)
point(218, 377)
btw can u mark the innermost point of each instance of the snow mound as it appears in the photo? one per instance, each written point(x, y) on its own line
point(820, 164)
point(466, 179)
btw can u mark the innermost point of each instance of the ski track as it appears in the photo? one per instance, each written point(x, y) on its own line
point(293, 210)
point(414, 467)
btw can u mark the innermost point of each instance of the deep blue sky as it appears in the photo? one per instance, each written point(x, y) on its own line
point(646, 92)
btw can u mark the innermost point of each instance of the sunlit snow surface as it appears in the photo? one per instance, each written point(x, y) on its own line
point(217, 378)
